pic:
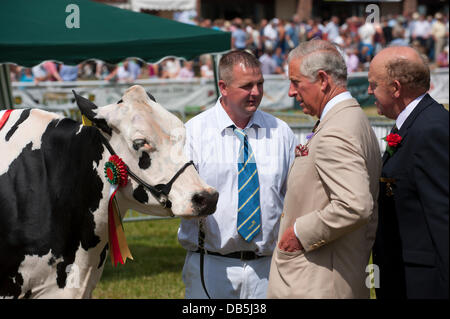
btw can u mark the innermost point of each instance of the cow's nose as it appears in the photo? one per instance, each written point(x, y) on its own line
point(205, 203)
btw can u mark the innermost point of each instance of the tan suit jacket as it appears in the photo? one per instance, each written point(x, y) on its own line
point(332, 199)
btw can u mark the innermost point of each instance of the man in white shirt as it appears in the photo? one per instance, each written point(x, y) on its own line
point(235, 264)
point(332, 29)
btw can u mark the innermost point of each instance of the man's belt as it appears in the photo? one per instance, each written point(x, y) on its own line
point(242, 255)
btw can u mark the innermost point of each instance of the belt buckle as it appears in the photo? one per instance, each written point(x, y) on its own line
point(247, 255)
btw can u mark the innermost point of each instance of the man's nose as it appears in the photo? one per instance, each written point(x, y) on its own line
point(255, 90)
point(292, 92)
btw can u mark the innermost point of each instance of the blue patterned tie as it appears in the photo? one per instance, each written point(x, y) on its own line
point(249, 212)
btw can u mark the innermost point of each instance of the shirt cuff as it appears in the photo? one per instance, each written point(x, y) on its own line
point(295, 231)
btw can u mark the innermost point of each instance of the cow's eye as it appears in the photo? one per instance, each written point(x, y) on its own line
point(137, 144)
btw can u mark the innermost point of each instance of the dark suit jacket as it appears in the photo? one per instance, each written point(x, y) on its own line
point(412, 243)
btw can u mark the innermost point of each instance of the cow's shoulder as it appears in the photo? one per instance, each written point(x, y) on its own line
point(53, 189)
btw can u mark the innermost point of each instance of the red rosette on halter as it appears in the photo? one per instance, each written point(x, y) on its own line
point(116, 171)
point(116, 174)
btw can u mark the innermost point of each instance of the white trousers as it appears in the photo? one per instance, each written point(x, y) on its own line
point(226, 278)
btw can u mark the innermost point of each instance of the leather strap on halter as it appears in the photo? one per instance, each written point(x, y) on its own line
point(160, 191)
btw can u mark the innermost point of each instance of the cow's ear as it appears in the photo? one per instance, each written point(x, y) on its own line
point(87, 109)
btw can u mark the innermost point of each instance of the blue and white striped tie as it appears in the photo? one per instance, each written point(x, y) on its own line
point(249, 210)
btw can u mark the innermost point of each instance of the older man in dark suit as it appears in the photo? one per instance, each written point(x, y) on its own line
point(411, 247)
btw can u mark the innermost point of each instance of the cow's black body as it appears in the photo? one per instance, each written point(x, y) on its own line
point(48, 198)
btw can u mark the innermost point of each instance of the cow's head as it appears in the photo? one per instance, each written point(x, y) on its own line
point(150, 141)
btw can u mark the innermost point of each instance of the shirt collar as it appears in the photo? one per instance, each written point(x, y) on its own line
point(407, 111)
point(224, 120)
point(337, 99)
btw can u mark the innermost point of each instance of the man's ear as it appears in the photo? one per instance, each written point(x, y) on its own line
point(396, 89)
point(87, 109)
point(222, 87)
point(324, 79)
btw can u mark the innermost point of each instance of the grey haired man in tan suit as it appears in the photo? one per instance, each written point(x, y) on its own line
point(329, 218)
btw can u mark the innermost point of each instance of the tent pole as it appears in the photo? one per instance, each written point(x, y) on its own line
point(6, 101)
point(215, 59)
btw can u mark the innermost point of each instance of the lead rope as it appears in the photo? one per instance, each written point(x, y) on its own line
point(201, 246)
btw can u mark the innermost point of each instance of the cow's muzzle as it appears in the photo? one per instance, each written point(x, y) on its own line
point(204, 203)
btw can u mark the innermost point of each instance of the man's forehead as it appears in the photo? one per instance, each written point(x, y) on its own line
point(242, 67)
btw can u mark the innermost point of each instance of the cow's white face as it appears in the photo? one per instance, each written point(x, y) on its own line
point(150, 140)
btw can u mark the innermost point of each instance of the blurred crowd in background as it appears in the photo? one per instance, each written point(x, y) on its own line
point(271, 41)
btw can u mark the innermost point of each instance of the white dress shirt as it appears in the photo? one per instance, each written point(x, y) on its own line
point(401, 118)
point(335, 100)
point(212, 145)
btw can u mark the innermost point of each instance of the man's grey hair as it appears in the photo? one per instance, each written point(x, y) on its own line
point(414, 75)
point(320, 55)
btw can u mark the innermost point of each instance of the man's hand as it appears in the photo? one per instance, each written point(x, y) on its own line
point(289, 242)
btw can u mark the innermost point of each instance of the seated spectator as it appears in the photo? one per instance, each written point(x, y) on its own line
point(398, 37)
point(239, 37)
point(26, 75)
point(102, 70)
point(293, 32)
point(206, 69)
point(442, 59)
point(120, 73)
point(365, 57)
point(186, 71)
point(170, 68)
point(68, 72)
point(279, 57)
point(87, 70)
point(268, 63)
point(314, 31)
point(134, 68)
point(270, 34)
point(332, 29)
point(153, 70)
point(46, 71)
point(52, 71)
point(352, 60)
point(39, 73)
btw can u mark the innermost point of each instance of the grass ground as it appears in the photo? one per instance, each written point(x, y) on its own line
point(155, 272)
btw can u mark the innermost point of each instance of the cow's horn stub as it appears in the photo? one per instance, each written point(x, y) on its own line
point(151, 97)
point(86, 108)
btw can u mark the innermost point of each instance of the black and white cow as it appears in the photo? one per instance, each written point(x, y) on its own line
point(54, 193)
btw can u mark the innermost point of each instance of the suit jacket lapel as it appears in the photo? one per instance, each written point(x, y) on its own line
point(426, 101)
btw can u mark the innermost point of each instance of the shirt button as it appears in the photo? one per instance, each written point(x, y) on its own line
point(282, 215)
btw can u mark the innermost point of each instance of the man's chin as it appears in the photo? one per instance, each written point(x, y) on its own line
point(251, 108)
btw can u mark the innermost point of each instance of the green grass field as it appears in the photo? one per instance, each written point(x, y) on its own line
point(155, 272)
